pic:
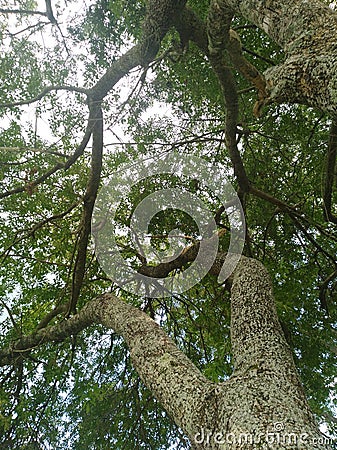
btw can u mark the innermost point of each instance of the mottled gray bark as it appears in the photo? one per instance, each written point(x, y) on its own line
point(306, 30)
point(262, 405)
point(263, 400)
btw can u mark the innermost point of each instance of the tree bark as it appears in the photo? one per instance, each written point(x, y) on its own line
point(262, 405)
point(306, 31)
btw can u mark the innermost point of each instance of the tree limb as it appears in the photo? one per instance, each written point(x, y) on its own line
point(166, 371)
point(55, 333)
point(28, 12)
point(89, 202)
point(44, 92)
point(330, 174)
point(219, 20)
point(70, 161)
point(159, 18)
point(49, 12)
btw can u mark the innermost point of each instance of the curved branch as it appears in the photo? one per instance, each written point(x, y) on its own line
point(166, 371)
point(37, 226)
point(159, 18)
point(29, 187)
point(44, 92)
point(28, 12)
point(70, 161)
point(60, 309)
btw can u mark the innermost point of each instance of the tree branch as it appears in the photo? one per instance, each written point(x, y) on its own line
point(55, 333)
point(219, 20)
point(158, 20)
point(32, 149)
point(48, 13)
point(166, 371)
point(44, 92)
point(89, 201)
point(70, 161)
point(330, 174)
point(37, 226)
point(28, 12)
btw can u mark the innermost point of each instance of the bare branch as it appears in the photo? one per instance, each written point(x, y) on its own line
point(27, 12)
point(89, 201)
point(37, 226)
point(32, 149)
point(330, 174)
point(44, 92)
point(78, 152)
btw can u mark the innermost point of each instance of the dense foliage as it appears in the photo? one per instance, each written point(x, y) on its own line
point(83, 393)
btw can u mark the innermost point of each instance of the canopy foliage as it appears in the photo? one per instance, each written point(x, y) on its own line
point(83, 392)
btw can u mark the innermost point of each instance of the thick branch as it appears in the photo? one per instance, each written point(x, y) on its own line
point(252, 303)
point(55, 333)
point(191, 28)
point(306, 32)
point(330, 174)
point(263, 361)
point(89, 201)
point(218, 31)
point(158, 20)
point(49, 12)
point(165, 370)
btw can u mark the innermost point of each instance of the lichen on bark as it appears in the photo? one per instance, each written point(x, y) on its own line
point(306, 31)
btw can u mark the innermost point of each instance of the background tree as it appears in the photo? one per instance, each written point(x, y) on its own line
point(250, 84)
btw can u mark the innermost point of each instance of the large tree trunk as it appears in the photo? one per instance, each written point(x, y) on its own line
point(262, 405)
point(306, 30)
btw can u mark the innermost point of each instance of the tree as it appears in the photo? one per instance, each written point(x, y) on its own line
point(85, 363)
